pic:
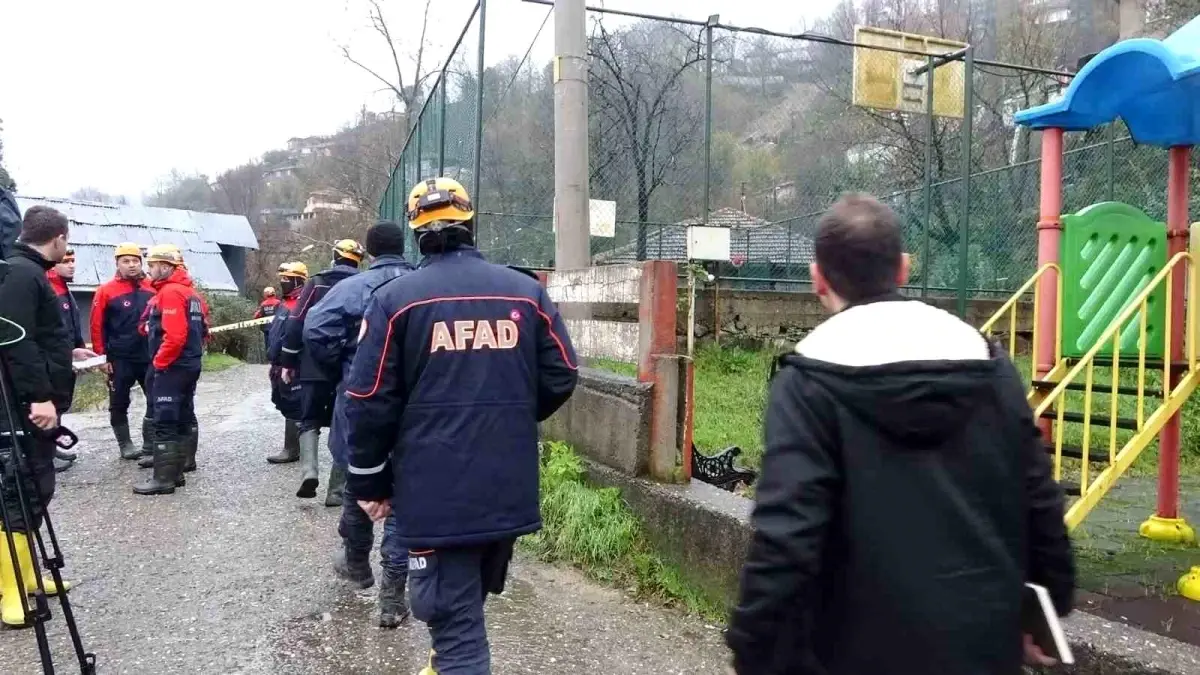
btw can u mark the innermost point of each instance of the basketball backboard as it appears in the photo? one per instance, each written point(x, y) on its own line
point(887, 79)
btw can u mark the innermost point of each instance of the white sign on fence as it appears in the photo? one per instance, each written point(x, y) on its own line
point(603, 217)
point(708, 243)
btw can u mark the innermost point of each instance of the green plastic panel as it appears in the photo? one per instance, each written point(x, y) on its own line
point(1110, 252)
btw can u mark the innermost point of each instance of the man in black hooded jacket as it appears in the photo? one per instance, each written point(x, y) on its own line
point(905, 496)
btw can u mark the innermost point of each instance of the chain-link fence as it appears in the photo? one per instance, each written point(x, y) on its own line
point(691, 123)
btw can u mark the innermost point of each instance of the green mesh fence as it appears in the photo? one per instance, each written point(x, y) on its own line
point(763, 147)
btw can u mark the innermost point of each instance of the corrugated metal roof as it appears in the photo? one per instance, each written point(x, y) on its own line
point(96, 230)
point(94, 265)
point(218, 228)
point(225, 229)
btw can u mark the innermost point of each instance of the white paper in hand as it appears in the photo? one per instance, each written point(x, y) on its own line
point(88, 364)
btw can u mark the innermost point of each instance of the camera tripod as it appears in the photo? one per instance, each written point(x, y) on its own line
point(18, 439)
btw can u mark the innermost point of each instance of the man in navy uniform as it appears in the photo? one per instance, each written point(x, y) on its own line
point(117, 309)
point(285, 396)
point(316, 384)
point(457, 363)
point(62, 274)
point(177, 327)
point(331, 336)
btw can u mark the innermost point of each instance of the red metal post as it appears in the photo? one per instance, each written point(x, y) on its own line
point(1049, 229)
point(656, 314)
point(1177, 242)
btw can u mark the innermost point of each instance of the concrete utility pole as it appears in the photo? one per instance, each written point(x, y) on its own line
point(572, 243)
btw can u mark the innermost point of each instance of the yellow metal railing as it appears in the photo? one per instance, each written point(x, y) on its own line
point(1010, 311)
point(1118, 460)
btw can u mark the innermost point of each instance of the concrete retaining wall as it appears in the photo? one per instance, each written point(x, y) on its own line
point(766, 316)
point(607, 420)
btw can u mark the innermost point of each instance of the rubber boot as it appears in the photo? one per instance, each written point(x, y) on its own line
point(147, 436)
point(309, 441)
point(12, 612)
point(291, 444)
point(166, 471)
point(393, 610)
point(428, 670)
point(25, 559)
point(337, 483)
point(125, 442)
point(191, 443)
point(65, 455)
point(354, 569)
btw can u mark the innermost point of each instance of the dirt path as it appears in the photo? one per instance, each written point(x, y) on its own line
point(232, 575)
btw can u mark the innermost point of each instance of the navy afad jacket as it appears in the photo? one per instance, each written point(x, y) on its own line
point(457, 363)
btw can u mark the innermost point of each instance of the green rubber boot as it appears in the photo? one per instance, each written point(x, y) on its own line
point(125, 442)
point(291, 445)
point(166, 471)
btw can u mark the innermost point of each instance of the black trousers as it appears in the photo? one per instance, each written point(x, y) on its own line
point(317, 398)
point(124, 375)
point(38, 483)
point(173, 393)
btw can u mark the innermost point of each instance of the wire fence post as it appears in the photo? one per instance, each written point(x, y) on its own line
point(442, 124)
point(965, 229)
point(479, 112)
point(1112, 183)
point(708, 115)
point(420, 154)
point(930, 130)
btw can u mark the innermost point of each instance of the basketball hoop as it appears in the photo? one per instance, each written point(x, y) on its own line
point(737, 260)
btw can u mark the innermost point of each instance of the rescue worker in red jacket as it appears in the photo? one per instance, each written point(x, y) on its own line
point(59, 276)
point(266, 308)
point(116, 309)
point(285, 395)
point(177, 326)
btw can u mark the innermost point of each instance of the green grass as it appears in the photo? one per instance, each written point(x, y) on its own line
point(91, 391)
point(731, 390)
point(593, 529)
point(731, 395)
point(215, 362)
point(91, 388)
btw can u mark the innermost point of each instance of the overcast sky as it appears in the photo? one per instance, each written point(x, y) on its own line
point(114, 94)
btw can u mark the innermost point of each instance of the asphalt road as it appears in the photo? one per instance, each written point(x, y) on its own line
point(231, 574)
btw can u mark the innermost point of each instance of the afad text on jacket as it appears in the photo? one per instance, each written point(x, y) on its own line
point(457, 363)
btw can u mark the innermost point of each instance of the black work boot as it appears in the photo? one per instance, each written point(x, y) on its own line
point(124, 441)
point(393, 610)
point(166, 471)
point(146, 462)
point(291, 444)
point(337, 482)
point(309, 443)
point(190, 444)
point(354, 569)
point(147, 436)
